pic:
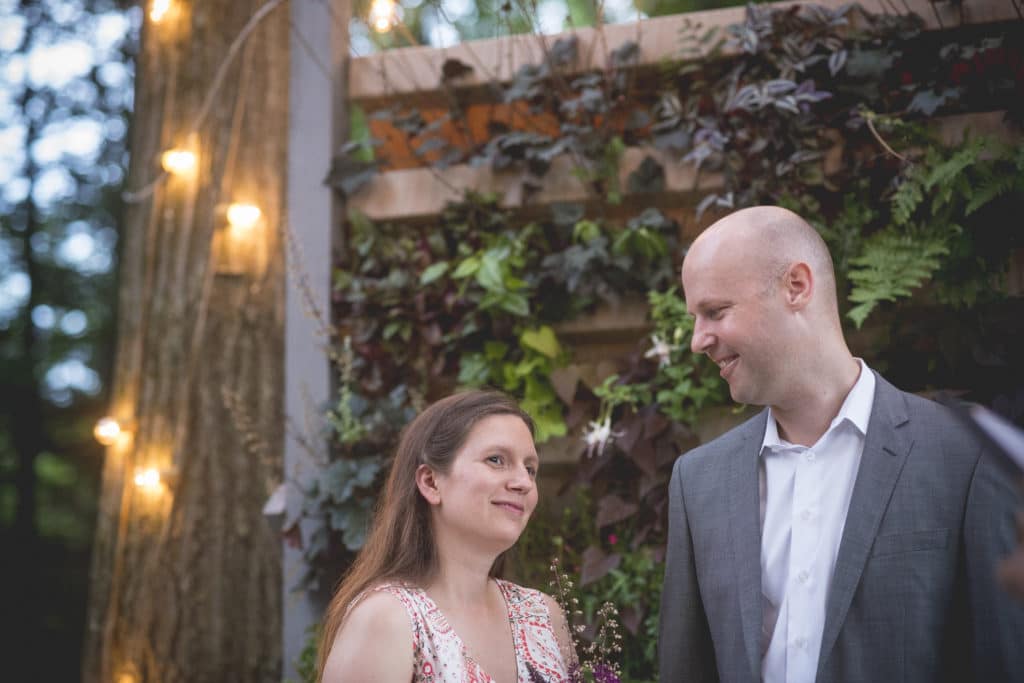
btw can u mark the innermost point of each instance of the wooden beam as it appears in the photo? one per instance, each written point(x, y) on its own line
point(414, 72)
point(419, 192)
point(414, 194)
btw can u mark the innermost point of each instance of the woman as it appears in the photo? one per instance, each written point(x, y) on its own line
point(422, 602)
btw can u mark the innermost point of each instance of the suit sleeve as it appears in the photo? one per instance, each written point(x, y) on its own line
point(997, 620)
point(685, 650)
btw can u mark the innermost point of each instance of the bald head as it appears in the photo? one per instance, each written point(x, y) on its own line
point(764, 242)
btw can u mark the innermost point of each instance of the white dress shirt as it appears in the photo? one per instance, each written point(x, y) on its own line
point(805, 498)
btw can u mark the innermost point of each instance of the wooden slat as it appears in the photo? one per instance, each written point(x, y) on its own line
point(413, 193)
point(415, 71)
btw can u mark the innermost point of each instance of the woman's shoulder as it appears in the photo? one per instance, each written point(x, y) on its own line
point(382, 610)
point(375, 642)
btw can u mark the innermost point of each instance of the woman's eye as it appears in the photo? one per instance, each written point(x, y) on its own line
point(496, 459)
point(532, 471)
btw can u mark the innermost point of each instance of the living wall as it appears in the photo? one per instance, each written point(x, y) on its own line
point(830, 112)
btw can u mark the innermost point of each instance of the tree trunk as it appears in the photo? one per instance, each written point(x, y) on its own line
point(185, 582)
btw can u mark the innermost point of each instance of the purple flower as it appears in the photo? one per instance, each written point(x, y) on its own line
point(605, 674)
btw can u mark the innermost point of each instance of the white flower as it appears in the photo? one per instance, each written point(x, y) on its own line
point(599, 435)
point(661, 350)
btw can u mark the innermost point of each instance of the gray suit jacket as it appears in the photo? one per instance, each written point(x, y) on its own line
point(914, 596)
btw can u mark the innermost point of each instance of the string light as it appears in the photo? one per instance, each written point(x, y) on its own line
point(158, 10)
point(148, 479)
point(108, 430)
point(178, 161)
point(383, 15)
point(243, 216)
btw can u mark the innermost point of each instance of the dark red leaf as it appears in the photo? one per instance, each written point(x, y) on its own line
point(596, 564)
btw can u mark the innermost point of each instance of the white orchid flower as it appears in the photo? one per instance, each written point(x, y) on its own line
point(598, 435)
point(661, 350)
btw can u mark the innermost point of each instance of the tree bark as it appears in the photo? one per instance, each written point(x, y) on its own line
point(185, 582)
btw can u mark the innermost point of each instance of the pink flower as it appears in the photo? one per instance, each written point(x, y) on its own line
point(613, 539)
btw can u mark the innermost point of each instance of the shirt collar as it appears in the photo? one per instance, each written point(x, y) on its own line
point(856, 409)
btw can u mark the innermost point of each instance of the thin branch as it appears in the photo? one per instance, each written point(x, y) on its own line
point(883, 143)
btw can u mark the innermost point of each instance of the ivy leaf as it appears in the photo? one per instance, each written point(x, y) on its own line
point(836, 61)
point(348, 175)
point(649, 176)
point(433, 272)
point(564, 381)
point(625, 54)
point(597, 565)
point(566, 214)
point(928, 101)
point(869, 64)
point(516, 304)
point(542, 340)
point(468, 267)
point(453, 69)
point(612, 509)
point(563, 52)
point(489, 274)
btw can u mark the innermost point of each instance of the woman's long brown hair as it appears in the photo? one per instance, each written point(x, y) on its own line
point(400, 544)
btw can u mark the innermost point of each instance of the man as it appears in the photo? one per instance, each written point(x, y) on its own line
point(848, 533)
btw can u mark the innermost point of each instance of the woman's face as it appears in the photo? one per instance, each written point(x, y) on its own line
point(490, 491)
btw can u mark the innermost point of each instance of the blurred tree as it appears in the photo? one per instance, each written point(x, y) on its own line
point(65, 97)
point(186, 578)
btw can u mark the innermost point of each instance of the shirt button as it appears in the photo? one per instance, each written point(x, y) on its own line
point(799, 643)
point(809, 456)
point(803, 576)
point(805, 515)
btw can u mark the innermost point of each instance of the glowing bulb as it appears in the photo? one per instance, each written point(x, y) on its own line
point(243, 216)
point(148, 479)
point(127, 677)
point(383, 15)
point(159, 10)
point(107, 430)
point(178, 161)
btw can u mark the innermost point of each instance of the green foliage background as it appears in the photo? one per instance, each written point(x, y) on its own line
point(921, 232)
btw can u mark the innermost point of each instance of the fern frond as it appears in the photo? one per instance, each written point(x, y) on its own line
point(990, 191)
point(948, 170)
point(891, 266)
point(906, 198)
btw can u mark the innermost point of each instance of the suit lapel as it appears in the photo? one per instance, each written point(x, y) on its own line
point(886, 447)
point(745, 527)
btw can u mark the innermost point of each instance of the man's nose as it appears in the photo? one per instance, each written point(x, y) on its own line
point(701, 339)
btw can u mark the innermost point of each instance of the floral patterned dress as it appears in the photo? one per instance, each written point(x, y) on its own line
point(440, 656)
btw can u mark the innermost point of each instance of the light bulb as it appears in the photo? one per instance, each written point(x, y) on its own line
point(178, 161)
point(383, 15)
point(158, 10)
point(243, 216)
point(107, 430)
point(148, 479)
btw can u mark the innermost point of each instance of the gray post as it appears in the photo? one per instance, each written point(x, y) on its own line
point(317, 121)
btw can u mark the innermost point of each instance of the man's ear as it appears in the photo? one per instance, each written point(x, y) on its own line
point(426, 482)
point(798, 285)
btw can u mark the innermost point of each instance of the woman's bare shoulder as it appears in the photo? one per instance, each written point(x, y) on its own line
point(375, 642)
